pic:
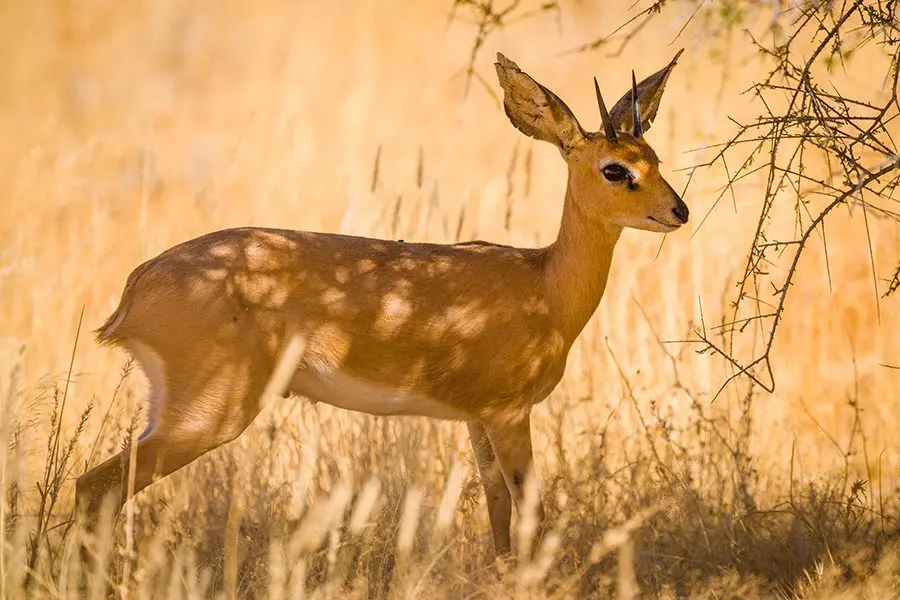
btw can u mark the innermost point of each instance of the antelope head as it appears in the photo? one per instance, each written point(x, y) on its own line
point(614, 174)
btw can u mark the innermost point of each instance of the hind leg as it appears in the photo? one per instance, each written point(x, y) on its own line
point(159, 452)
point(192, 411)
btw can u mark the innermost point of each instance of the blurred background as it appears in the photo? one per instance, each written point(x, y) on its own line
point(130, 127)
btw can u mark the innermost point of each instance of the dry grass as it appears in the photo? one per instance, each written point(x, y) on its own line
point(128, 129)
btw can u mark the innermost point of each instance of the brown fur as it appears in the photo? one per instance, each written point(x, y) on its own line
point(472, 331)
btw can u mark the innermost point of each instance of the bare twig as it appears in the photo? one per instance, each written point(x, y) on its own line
point(826, 148)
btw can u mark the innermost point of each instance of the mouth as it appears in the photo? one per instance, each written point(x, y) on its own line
point(667, 226)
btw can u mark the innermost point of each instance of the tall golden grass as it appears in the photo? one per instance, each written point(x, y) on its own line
point(129, 128)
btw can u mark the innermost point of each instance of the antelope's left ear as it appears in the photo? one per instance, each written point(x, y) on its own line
point(649, 92)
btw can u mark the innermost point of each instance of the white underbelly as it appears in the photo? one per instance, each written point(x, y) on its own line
point(343, 391)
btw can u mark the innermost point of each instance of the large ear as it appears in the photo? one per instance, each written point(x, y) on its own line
point(649, 92)
point(535, 110)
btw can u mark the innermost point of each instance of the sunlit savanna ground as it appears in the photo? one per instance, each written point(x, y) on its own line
point(127, 129)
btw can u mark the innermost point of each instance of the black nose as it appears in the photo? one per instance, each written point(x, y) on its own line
point(681, 211)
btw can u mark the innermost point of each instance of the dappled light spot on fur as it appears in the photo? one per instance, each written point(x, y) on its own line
point(260, 257)
point(222, 250)
point(402, 287)
point(366, 265)
point(217, 274)
point(466, 320)
point(440, 266)
point(436, 328)
point(395, 310)
point(334, 300)
point(536, 306)
point(342, 274)
point(263, 291)
point(404, 264)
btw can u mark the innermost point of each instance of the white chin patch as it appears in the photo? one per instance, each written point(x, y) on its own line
point(655, 225)
point(649, 224)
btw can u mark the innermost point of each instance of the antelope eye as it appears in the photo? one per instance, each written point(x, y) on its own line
point(615, 172)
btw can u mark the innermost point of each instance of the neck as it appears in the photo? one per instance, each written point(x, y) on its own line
point(578, 266)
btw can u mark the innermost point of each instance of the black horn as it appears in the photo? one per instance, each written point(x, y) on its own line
point(608, 127)
point(635, 108)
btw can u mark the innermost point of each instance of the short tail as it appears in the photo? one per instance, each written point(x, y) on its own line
point(108, 332)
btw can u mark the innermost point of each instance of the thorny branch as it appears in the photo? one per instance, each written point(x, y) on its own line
point(488, 18)
point(825, 149)
point(817, 146)
point(894, 282)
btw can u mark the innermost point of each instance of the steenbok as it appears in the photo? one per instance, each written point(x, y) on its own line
point(474, 332)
